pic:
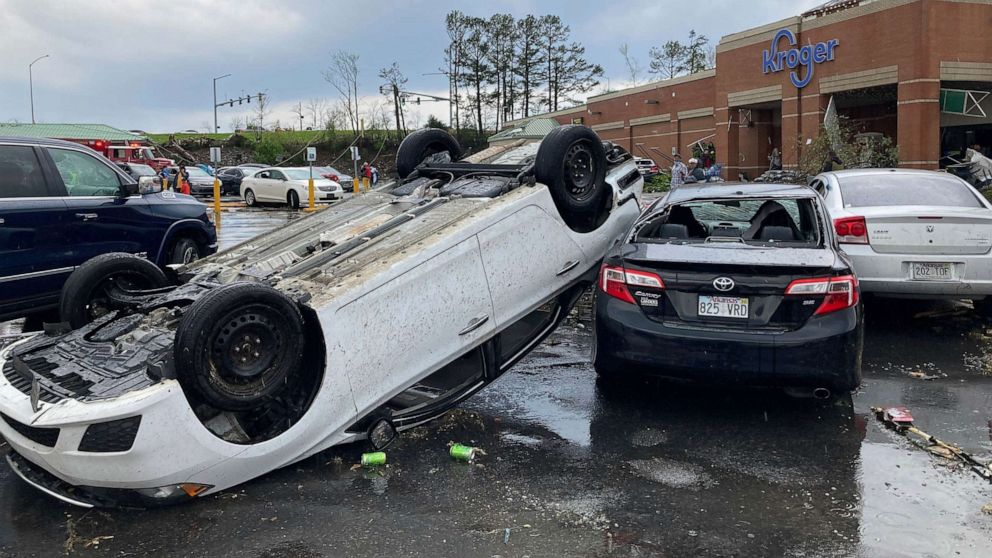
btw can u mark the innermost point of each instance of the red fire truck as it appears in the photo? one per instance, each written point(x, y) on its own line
point(129, 153)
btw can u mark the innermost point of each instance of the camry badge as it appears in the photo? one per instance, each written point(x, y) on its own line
point(723, 284)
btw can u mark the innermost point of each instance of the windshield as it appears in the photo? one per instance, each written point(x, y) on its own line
point(137, 169)
point(196, 172)
point(873, 190)
point(763, 221)
point(300, 174)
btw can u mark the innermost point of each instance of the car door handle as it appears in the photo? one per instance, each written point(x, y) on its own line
point(87, 216)
point(475, 324)
point(2, 221)
point(569, 266)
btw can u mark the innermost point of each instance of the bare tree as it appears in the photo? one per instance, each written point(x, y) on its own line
point(667, 60)
point(237, 123)
point(633, 67)
point(298, 111)
point(262, 110)
point(342, 74)
point(395, 80)
point(316, 106)
point(206, 126)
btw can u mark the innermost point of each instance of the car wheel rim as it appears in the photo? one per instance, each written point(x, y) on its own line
point(250, 198)
point(579, 170)
point(190, 255)
point(246, 350)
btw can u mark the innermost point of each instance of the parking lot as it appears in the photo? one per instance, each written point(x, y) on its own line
point(632, 469)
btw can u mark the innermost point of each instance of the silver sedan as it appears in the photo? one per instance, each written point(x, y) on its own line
point(913, 233)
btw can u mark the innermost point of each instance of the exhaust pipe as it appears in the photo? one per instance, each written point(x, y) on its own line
point(821, 393)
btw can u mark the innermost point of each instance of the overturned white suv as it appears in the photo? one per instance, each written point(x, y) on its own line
point(362, 320)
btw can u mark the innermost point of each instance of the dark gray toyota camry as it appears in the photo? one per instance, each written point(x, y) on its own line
point(732, 284)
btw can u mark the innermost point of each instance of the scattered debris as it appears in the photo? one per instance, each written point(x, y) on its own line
point(920, 375)
point(901, 420)
point(95, 541)
point(464, 453)
point(371, 460)
point(987, 509)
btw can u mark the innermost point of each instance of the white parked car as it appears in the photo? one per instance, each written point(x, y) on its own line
point(354, 323)
point(913, 233)
point(647, 166)
point(288, 186)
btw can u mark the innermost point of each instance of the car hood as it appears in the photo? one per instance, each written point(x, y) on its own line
point(731, 253)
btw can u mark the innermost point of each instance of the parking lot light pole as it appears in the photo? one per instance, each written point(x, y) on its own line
point(215, 99)
point(31, 84)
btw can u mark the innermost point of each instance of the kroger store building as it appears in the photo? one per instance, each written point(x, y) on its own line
point(919, 71)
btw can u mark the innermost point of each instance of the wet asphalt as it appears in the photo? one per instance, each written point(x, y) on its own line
point(578, 468)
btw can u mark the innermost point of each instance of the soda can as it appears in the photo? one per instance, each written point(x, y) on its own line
point(374, 459)
point(462, 453)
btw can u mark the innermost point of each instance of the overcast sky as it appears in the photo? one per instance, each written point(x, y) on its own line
point(149, 65)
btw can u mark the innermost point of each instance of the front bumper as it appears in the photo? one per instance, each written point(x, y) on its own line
point(826, 352)
point(890, 274)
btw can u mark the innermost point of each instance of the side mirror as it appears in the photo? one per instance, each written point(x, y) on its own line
point(149, 185)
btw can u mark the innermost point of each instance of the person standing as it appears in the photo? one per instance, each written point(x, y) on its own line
point(775, 160)
point(183, 179)
point(679, 172)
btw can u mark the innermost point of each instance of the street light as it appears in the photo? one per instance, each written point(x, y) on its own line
point(215, 99)
point(31, 84)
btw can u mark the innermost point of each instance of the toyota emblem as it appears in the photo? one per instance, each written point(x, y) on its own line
point(723, 284)
point(930, 228)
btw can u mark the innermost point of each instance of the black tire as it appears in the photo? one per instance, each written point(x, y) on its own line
point(85, 294)
point(293, 199)
point(237, 345)
point(983, 307)
point(185, 250)
point(250, 200)
point(571, 161)
point(422, 144)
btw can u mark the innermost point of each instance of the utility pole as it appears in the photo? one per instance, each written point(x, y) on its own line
point(31, 84)
point(215, 100)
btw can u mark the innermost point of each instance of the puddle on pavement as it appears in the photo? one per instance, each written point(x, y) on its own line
point(672, 473)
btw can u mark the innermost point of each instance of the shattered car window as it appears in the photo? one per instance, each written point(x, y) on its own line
point(771, 221)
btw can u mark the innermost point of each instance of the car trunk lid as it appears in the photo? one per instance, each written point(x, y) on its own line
point(928, 230)
point(696, 284)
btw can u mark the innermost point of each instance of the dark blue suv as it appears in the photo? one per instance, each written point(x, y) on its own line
point(61, 204)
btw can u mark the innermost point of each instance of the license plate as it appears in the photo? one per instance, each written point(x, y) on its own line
point(723, 306)
point(923, 271)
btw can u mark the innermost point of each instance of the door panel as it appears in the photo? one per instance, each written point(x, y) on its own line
point(526, 256)
point(34, 261)
point(394, 336)
point(98, 219)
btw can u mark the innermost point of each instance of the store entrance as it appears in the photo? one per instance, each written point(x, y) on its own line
point(759, 134)
point(965, 120)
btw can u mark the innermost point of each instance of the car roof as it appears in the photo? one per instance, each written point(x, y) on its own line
point(840, 174)
point(41, 141)
point(724, 190)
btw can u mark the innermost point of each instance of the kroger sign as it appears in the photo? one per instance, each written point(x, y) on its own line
point(807, 56)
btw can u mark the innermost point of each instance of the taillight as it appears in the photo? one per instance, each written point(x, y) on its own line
point(838, 292)
point(613, 280)
point(655, 169)
point(851, 230)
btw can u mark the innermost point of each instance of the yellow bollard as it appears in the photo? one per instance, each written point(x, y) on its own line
point(365, 183)
point(310, 188)
point(216, 195)
point(354, 189)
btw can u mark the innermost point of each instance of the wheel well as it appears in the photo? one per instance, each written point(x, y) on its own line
point(197, 235)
